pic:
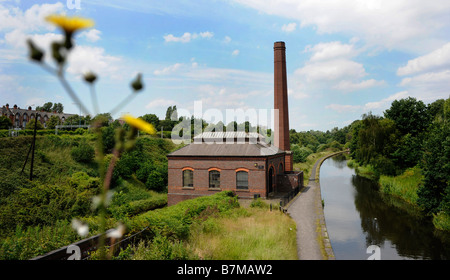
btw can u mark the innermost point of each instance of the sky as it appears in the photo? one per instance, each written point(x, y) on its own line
point(344, 58)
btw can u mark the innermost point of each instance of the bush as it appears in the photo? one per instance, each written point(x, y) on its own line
point(175, 221)
point(300, 153)
point(83, 153)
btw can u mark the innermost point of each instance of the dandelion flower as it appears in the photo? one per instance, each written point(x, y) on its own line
point(70, 24)
point(139, 124)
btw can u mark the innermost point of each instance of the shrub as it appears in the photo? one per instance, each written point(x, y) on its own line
point(83, 152)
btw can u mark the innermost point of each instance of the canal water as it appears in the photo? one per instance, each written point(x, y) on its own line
point(363, 224)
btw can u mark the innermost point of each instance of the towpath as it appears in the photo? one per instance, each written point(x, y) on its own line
point(306, 210)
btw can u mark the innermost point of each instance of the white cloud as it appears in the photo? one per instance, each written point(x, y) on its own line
point(187, 37)
point(428, 78)
point(331, 50)
point(235, 53)
point(227, 39)
point(171, 69)
point(351, 86)
point(332, 70)
point(206, 34)
point(289, 27)
point(32, 19)
point(386, 102)
point(92, 35)
point(331, 65)
point(434, 60)
point(84, 58)
point(402, 24)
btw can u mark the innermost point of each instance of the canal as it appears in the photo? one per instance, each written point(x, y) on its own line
point(358, 216)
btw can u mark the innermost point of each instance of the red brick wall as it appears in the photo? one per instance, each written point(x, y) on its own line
point(257, 176)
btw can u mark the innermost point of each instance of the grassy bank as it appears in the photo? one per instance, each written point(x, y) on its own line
point(213, 228)
point(307, 166)
point(246, 234)
point(403, 187)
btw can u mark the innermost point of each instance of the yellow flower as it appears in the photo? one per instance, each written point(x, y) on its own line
point(139, 124)
point(70, 24)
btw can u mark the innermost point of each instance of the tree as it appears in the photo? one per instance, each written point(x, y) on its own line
point(409, 115)
point(151, 118)
point(30, 125)
point(58, 108)
point(434, 195)
point(52, 122)
point(5, 122)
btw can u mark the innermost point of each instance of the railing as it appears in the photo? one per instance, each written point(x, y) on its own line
point(81, 250)
point(289, 196)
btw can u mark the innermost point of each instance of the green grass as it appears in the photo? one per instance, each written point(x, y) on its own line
point(307, 166)
point(245, 234)
point(441, 221)
point(404, 186)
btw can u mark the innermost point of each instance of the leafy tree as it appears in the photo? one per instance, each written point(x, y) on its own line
point(151, 118)
point(47, 107)
point(30, 125)
point(434, 195)
point(410, 116)
point(436, 169)
point(52, 122)
point(58, 108)
point(5, 122)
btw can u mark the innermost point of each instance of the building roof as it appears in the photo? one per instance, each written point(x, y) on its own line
point(232, 144)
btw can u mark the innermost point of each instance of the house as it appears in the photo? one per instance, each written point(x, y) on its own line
point(238, 161)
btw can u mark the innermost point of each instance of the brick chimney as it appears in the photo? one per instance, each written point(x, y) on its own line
point(281, 138)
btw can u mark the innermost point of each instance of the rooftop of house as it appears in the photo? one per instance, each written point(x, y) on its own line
point(215, 144)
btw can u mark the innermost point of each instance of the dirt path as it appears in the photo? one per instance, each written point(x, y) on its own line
point(306, 210)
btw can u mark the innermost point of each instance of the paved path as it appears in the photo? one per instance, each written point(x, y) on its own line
point(306, 210)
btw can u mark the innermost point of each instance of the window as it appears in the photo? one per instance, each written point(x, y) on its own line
point(214, 179)
point(242, 180)
point(188, 178)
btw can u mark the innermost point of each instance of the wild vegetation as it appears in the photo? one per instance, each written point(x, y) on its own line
point(408, 151)
point(66, 182)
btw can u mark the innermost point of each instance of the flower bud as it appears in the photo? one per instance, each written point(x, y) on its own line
point(35, 53)
point(90, 77)
point(137, 83)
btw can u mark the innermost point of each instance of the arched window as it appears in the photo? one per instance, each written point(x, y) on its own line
point(17, 120)
point(242, 180)
point(214, 179)
point(280, 169)
point(25, 120)
point(188, 178)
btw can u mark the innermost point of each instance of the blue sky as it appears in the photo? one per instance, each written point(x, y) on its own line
point(344, 58)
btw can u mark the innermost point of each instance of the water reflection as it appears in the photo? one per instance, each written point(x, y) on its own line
point(357, 216)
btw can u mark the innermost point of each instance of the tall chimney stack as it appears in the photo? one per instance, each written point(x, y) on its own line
point(281, 139)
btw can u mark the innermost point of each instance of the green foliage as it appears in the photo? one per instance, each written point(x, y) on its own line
point(161, 248)
point(411, 137)
point(434, 195)
point(5, 122)
point(84, 152)
point(31, 123)
point(36, 240)
point(174, 222)
point(300, 153)
point(404, 186)
point(409, 114)
point(52, 122)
